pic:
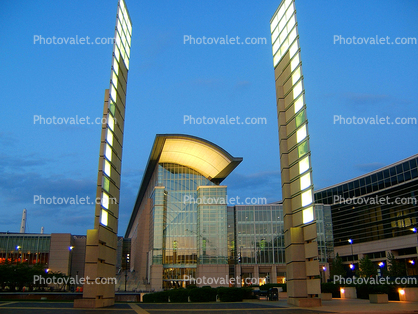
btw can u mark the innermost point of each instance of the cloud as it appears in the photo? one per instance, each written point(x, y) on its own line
point(259, 185)
point(155, 48)
point(7, 139)
point(365, 99)
point(242, 85)
point(206, 82)
point(22, 180)
point(132, 173)
point(21, 163)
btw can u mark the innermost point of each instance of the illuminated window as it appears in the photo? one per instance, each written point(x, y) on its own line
point(292, 36)
point(287, 5)
point(308, 215)
point(130, 29)
point(113, 92)
point(305, 181)
point(295, 62)
point(112, 107)
point(297, 90)
point(108, 152)
point(276, 59)
point(293, 49)
point(117, 53)
point(119, 27)
point(109, 137)
point(114, 79)
point(283, 36)
point(129, 41)
point(274, 36)
point(276, 46)
point(111, 122)
point(298, 104)
point(104, 218)
point(306, 198)
point(115, 66)
point(301, 133)
point(107, 168)
point(303, 149)
point(304, 165)
point(282, 24)
point(106, 183)
point(300, 118)
point(292, 21)
point(105, 200)
point(296, 76)
point(118, 41)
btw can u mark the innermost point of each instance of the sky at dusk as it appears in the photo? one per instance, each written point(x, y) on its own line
point(169, 79)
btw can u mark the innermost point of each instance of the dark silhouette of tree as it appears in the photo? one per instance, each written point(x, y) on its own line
point(337, 267)
point(395, 267)
point(366, 268)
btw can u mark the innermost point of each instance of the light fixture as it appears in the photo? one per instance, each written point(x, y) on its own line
point(401, 291)
point(342, 290)
point(71, 248)
point(351, 266)
point(414, 230)
point(324, 268)
point(381, 264)
point(350, 241)
point(411, 261)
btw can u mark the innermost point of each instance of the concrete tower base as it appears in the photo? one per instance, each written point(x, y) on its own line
point(305, 302)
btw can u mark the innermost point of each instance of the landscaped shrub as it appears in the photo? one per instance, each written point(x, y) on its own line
point(393, 294)
point(178, 295)
point(156, 297)
point(230, 294)
point(274, 285)
point(249, 293)
point(206, 294)
point(330, 287)
point(364, 290)
point(148, 298)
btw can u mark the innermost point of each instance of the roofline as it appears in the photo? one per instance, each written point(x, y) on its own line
point(368, 174)
point(155, 156)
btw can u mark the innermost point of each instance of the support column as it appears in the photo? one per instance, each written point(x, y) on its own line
point(301, 249)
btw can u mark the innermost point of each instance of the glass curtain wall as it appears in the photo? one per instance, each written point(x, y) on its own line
point(183, 231)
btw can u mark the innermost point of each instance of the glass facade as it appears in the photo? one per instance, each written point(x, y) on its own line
point(188, 224)
point(260, 236)
point(379, 205)
point(24, 248)
point(212, 225)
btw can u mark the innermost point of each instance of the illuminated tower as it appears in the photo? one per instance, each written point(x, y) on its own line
point(101, 243)
point(302, 265)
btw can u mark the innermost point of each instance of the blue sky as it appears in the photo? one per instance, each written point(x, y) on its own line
point(169, 79)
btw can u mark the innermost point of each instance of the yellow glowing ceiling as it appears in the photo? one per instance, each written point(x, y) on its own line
point(196, 155)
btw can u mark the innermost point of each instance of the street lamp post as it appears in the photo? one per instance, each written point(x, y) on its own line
point(70, 248)
point(352, 255)
point(126, 268)
point(18, 252)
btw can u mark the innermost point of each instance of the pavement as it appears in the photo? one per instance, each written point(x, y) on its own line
point(246, 307)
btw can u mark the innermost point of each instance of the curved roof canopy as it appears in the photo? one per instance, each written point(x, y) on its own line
point(203, 156)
